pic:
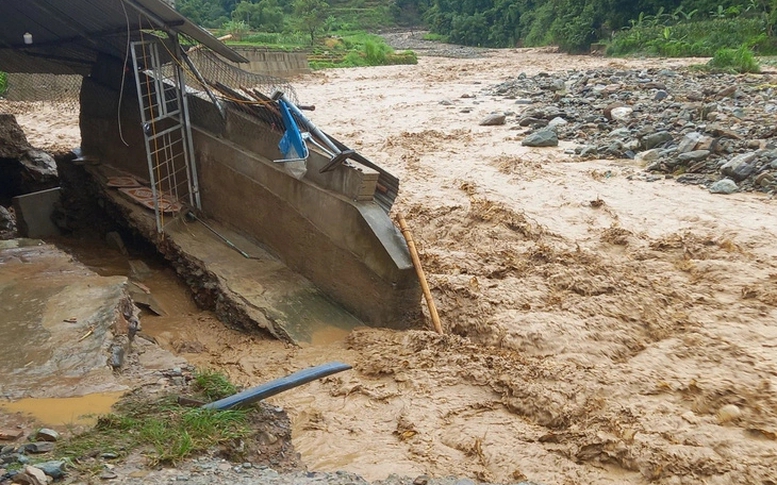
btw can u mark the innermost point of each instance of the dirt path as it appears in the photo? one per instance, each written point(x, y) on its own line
point(602, 322)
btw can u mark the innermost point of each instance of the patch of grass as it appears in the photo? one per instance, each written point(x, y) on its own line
point(274, 40)
point(3, 83)
point(166, 431)
point(355, 49)
point(435, 37)
point(738, 60)
point(214, 385)
point(343, 48)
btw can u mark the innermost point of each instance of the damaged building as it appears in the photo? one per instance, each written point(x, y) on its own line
point(274, 224)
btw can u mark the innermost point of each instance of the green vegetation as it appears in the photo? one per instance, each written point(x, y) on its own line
point(657, 27)
point(693, 39)
point(3, 83)
point(357, 49)
point(303, 15)
point(213, 385)
point(333, 31)
point(161, 427)
point(737, 60)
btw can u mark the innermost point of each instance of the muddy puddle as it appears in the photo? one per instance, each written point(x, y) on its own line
point(65, 412)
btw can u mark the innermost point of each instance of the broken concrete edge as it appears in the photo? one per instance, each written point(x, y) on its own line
point(314, 225)
point(106, 331)
point(34, 213)
point(209, 290)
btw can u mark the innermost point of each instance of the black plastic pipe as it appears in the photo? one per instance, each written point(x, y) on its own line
point(255, 394)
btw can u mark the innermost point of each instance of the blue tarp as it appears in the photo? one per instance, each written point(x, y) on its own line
point(291, 145)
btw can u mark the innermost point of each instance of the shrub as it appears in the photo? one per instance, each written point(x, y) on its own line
point(693, 39)
point(739, 60)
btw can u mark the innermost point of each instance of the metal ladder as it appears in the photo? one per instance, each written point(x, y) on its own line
point(164, 115)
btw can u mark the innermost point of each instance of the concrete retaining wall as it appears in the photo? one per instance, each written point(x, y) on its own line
point(321, 226)
point(273, 62)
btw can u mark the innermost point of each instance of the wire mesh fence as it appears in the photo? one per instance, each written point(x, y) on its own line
point(62, 89)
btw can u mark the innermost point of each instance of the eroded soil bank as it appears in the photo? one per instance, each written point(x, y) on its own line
point(601, 321)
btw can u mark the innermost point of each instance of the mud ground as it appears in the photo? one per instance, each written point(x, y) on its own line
point(601, 325)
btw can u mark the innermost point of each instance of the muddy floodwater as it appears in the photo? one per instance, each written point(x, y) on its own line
point(588, 342)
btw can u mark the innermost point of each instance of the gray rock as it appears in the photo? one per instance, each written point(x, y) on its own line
point(446, 102)
point(694, 156)
point(739, 167)
point(656, 139)
point(541, 138)
point(266, 438)
point(108, 475)
point(660, 95)
point(54, 469)
point(12, 140)
point(38, 447)
point(114, 241)
point(621, 113)
point(764, 179)
point(40, 167)
point(494, 119)
point(725, 186)
point(117, 356)
point(530, 120)
point(46, 434)
point(31, 476)
point(7, 221)
point(620, 133)
point(557, 121)
point(8, 458)
point(689, 141)
point(523, 101)
point(648, 155)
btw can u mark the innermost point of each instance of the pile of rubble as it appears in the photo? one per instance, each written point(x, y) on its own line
point(711, 129)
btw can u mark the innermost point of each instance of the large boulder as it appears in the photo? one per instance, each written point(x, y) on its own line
point(739, 167)
point(544, 137)
point(23, 169)
point(12, 140)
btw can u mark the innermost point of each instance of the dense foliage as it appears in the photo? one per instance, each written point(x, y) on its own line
point(575, 24)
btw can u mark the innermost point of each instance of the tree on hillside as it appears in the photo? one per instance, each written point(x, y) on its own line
point(203, 12)
point(265, 15)
point(312, 15)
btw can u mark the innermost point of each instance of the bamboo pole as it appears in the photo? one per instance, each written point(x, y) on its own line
point(420, 271)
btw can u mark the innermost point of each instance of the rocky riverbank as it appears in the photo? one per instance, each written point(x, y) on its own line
point(710, 129)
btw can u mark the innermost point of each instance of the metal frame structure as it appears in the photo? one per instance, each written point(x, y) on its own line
point(164, 115)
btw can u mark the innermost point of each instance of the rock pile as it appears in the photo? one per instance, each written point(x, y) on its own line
point(21, 456)
point(699, 127)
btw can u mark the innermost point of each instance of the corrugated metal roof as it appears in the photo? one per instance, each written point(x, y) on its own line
point(70, 33)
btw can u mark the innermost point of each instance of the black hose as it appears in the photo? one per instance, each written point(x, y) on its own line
point(255, 394)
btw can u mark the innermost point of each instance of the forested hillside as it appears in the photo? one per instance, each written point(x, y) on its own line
point(575, 24)
point(652, 27)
